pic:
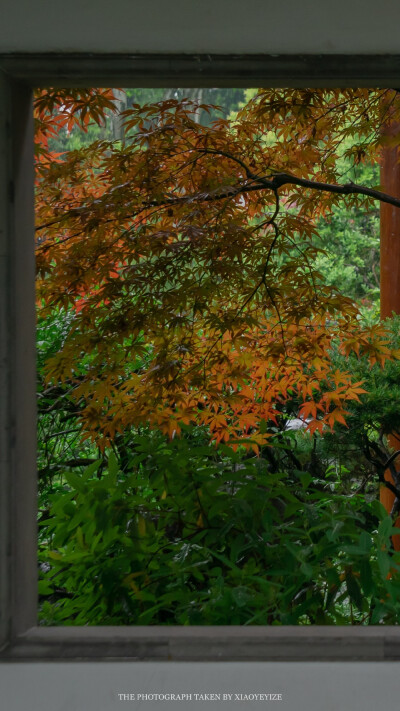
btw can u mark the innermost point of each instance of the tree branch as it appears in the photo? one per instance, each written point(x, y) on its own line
point(257, 183)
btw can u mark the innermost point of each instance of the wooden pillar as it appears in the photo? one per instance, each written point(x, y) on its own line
point(390, 270)
point(390, 233)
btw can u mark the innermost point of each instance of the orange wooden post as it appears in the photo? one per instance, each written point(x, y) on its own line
point(390, 271)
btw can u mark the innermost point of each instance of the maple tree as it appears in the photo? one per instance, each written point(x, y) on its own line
point(187, 253)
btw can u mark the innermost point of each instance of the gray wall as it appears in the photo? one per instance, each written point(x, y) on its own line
point(200, 26)
point(214, 26)
point(303, 687)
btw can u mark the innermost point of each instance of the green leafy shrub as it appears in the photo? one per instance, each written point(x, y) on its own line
point(193, 535)
point(361, 447)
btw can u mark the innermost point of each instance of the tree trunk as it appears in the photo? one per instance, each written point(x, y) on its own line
point(117, 122)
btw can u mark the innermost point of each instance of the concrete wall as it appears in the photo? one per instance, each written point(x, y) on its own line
point(214, 26)
point(199, 26)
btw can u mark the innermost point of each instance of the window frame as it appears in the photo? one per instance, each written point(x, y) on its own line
point(20, 637)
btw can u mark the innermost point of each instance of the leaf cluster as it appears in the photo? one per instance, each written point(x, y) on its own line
point(191, 537)
point(196, 247)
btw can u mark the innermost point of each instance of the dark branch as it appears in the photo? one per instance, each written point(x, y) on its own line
point(257, 183)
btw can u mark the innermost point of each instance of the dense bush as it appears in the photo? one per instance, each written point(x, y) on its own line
point(195, 535)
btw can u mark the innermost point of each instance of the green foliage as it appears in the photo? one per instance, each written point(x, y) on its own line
point(195, 535)
point(350, 237)
point(378, 409)
point(59, 431)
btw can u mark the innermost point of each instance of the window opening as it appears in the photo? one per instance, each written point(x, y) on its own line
point(225, 370)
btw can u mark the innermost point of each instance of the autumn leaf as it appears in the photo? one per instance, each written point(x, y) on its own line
point(177, 250)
